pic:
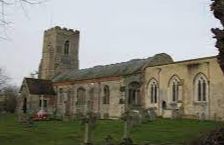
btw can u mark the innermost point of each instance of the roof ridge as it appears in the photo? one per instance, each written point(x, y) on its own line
point(130, 60)
point(118, 69)
point(36, 79)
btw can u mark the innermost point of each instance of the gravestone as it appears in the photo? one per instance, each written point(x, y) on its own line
point(109, 140)
point(151, 114)
point(89, 120)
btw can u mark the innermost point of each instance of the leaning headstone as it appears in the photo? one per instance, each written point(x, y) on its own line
point(174, 114)
point(30, 122)
point(152, 114)
point(126, 141)
point(89, 120)
point(109, 140)
point(134, 118)
point(202, 116)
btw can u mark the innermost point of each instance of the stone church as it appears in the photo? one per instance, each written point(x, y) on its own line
point(191, 89)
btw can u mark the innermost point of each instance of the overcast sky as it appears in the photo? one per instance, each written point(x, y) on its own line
point(111, 31)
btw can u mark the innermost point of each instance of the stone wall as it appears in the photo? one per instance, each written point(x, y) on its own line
point(33, 102)
point(186, 71)
point(113, 109)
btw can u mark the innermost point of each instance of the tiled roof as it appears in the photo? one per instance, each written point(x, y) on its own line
point(112, 70)
point(39, 86)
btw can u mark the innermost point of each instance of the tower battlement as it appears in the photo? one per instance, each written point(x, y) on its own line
point(61, 29)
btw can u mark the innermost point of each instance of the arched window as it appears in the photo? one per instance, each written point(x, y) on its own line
point(153, 91)
point(134, 93)
point(201, 87)
point(106, 95)
point(81, 96)
point(66, 47)
point(174, 89)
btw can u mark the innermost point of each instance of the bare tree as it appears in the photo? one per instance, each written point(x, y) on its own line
point(3, 79)
point(6, 5)
point(10, 93)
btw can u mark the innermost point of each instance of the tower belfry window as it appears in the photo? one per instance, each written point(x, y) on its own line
point(66, 48)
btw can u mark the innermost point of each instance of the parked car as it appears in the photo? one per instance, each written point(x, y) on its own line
point(40, 115)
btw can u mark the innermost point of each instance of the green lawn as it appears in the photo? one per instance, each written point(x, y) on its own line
point(71, 133)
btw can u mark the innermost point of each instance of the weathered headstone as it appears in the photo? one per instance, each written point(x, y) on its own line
point(90, 122)
point(202, 116)
point(152, 114)
point(126, 141)
point(109, 140)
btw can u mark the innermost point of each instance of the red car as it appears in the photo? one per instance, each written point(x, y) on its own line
point(40, 115)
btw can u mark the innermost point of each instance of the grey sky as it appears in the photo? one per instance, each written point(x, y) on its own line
point(111, 31)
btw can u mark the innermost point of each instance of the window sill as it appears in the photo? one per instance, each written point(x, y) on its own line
point(176, 102)
point(170, 109)
point(173, 103)
point(200, 103)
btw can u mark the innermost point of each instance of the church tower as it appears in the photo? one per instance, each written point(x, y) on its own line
point(60, 52)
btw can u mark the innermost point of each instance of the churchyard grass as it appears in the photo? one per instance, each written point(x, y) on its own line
point(71, 132)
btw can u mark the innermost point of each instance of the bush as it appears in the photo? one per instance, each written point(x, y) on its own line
point(10, 94)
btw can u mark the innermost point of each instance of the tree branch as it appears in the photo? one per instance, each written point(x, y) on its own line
point(32, 1)
point(5, 5)
point(3, 79)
